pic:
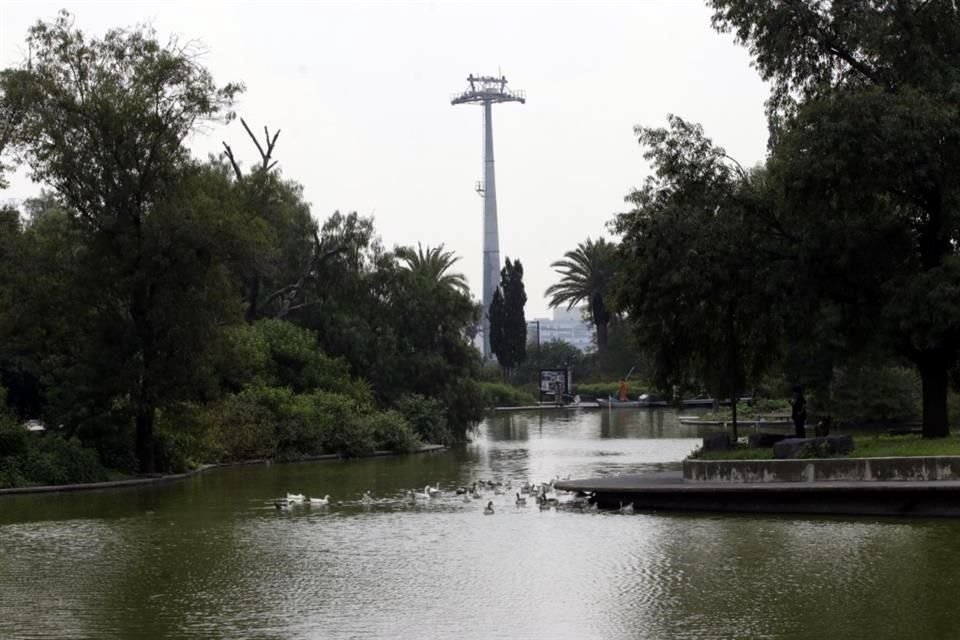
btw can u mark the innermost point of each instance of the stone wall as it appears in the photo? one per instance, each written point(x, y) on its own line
point(823, 469)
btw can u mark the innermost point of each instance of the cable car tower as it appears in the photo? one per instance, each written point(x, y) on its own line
point(487, 90)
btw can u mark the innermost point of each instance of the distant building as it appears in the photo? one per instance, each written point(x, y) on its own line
point(568, 326)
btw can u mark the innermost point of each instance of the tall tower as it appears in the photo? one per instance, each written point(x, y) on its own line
point(487, 90)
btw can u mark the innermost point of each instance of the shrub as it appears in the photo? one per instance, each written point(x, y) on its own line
point(51, 459)
point(503, 395)
point(391, 432)
point(242, 428)
point(13, 439)
point(464, 402)
point(608, 389)
point(875, 393)
point(426, 417)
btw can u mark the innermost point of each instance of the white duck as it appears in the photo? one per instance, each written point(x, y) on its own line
point(295, 498)
point(367, 498)
point(628, 508)
point(434, 491)
point(319, 502)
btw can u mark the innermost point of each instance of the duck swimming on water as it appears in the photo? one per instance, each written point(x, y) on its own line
point(488, 510)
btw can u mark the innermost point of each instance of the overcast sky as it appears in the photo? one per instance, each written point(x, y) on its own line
point(361, 93)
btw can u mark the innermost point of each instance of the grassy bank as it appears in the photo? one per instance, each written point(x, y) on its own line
point(864, 447)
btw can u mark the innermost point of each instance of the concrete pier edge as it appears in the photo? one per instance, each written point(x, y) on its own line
point(893, 489)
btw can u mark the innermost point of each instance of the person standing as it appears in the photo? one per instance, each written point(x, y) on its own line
point(798, 412)
point(622, 396)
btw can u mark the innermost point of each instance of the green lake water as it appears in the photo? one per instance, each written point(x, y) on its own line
point(210, 557)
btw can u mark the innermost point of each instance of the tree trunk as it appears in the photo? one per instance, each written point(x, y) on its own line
point(144, 445)
point(733, 366)
point(254, 294)
point(601, 337)
point(144, 391)
point(933, 376)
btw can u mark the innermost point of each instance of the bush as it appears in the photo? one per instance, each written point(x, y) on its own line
point(869, 393)
point(608, 389)
point(391, 432)
point(464, 402)
point(13, 440)
point(51, 459)
point(426, 417)
point(502, 395)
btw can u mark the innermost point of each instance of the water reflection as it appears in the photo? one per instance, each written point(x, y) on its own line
point(212, 558)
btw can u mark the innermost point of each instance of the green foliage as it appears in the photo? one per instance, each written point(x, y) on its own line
point(153, 261)
point(102, 122)
point(587, 273)
point(391, 432)
point(865, 141)
point(696, 282)
point(867, 392)
point(555, 354)
point(279, 353)
point(508, 327)
point(47, 458)
point(434, 265)
point(610, 389)
point(503, 395)
point(426, 417)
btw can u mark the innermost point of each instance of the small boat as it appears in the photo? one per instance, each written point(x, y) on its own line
point(643, 402)
point(699, 402)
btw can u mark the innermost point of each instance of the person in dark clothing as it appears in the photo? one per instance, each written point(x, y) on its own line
point(798, 412)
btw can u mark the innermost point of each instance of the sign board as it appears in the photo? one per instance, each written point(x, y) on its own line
point(554, 382)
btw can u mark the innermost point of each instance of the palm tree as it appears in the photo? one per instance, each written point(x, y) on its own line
point(586, 274)
point(434, 264)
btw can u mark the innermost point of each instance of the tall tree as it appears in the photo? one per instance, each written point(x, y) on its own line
point(693, 281)
point(508, 326)
point(866, 153)
point(102, 122)
point(586, 273)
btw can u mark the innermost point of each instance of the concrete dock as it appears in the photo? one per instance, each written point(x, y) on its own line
point(669, 491)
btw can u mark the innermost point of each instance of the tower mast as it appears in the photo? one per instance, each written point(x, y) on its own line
point(487, 90)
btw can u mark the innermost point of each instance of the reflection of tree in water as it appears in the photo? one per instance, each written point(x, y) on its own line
point(639, 423)
point(509, 426)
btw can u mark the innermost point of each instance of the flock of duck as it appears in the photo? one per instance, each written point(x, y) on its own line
point(544, 494)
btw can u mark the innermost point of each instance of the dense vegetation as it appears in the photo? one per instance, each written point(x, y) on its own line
point(836, 263)
point(157, 311)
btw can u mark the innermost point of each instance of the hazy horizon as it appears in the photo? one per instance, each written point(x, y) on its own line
point(361, 93)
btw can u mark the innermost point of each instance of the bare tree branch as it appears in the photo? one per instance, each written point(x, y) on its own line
point(233, 162)
point(253, 137)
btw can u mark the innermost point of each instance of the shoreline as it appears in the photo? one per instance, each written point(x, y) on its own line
point(173, 477)
point(735, 488)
